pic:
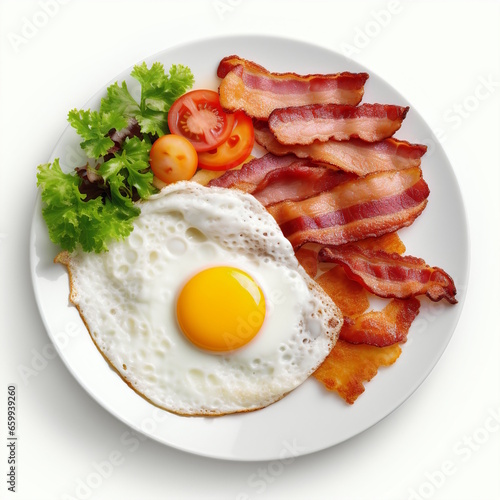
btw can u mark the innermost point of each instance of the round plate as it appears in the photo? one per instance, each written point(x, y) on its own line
point(310, 418)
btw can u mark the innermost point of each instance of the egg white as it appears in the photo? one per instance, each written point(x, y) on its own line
point(127, 298)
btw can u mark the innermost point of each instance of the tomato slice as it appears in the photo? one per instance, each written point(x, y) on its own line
point(199, 117)
point(235, 150)
point(173, 158)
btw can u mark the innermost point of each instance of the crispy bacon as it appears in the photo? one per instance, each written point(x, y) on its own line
point(349, 365)
point(382, 328)
point(368, 206)
point(355, 155)
point(247, 86)
point(308, 259)
point(389, 242)
point(349, 295)
point(252, 173)
point(341, 122)
point(272, 179)
point(390, 274)
point(297, 182)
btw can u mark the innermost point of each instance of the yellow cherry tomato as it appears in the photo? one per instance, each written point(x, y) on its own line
point(173, 158)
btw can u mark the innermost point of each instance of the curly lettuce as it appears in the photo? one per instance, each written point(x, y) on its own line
point(72, 221)
point(122, 170)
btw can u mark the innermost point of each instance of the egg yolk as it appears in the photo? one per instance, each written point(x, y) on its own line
point(221, 309)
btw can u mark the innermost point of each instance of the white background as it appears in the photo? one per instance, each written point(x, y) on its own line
point(443, 443)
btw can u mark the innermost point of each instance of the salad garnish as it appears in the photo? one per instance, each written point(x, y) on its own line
point(95, 203)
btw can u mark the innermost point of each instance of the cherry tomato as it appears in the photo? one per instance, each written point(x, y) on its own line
point(173, 158)
point(199, 117)
point(236, 148)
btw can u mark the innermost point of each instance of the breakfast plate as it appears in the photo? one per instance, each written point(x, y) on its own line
point(308, 419)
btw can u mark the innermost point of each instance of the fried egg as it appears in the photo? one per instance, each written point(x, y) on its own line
point(204, 309)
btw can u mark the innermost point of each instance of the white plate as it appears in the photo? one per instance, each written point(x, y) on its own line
point(309, 418)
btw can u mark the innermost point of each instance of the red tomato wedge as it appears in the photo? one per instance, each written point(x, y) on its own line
point(234, 150)
point(199, 117)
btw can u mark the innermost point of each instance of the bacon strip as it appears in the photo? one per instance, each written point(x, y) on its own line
point(382, 328)
point(248, 87)
point(252, 173)
point(297, 182)
point(349, 295)
point(341, 122)
point(367, 206)
point(390, 274)
point(355, 155)
point(272, 179)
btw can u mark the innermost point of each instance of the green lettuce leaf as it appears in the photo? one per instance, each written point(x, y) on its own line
point(72, 221)
point(119, 100)
point(132, 163)
point(93, 127)
point(158, 93)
